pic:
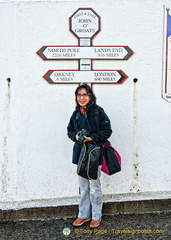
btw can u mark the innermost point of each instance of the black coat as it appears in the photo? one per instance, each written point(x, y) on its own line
point(79, 121)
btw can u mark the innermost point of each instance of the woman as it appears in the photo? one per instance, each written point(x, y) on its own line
point(90, 206)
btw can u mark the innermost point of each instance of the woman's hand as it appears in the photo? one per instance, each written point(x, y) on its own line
point(76, 137)
point(87, 139)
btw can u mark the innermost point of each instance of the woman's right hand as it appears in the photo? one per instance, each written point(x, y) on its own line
point(76, 137)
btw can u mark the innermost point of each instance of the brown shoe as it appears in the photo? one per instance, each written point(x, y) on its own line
point(95, 223)
point(79, 221)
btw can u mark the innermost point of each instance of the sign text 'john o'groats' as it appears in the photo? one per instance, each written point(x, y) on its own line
point(166, 91)
point(85, 24)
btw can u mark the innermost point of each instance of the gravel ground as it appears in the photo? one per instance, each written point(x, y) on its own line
point(125, 226)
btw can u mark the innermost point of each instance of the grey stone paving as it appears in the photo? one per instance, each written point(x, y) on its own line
point(125, 226)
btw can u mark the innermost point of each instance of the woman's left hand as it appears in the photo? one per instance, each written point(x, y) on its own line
point(87, 139)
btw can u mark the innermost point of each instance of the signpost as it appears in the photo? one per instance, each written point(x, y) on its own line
point(85, 24)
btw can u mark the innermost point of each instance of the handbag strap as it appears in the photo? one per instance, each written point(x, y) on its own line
point(106, 144)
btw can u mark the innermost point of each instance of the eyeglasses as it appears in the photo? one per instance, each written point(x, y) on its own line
point(83, 95)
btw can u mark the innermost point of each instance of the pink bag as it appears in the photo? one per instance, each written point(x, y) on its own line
point(111, 160)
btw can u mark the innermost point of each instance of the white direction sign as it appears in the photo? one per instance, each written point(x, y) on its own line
point(96, 76)
point(77, 52)
point(85, 23)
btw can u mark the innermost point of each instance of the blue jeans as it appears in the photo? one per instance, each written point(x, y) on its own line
point(91, 198)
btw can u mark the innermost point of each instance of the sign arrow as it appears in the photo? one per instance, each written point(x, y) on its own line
point(94, 76)
point(78, 52)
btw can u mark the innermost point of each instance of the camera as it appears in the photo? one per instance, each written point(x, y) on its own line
point(82, 134)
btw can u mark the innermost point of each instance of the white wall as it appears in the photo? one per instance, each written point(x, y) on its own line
point(35, 153)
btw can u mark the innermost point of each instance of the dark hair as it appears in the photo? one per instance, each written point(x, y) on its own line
point(88, 90)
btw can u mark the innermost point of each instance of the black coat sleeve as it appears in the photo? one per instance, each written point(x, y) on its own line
point(71, 130)
point(105, 130)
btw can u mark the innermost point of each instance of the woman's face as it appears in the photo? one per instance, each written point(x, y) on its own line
point(83, 98)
